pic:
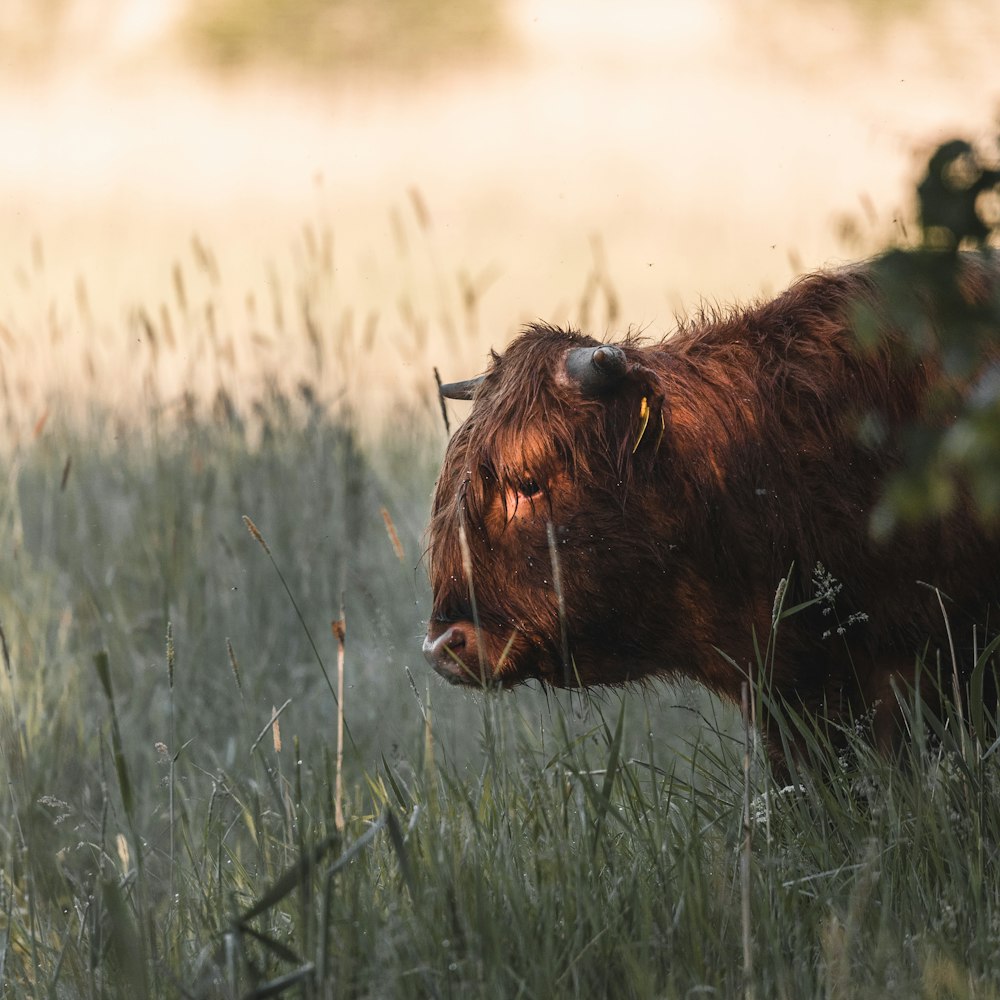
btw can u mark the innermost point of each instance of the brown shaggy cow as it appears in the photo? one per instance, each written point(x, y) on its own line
point(607, 513)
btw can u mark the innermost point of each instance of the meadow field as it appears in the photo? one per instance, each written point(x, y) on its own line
point(178, 819)
point(229, 772)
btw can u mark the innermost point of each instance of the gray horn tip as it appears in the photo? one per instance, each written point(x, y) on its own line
point(610, 360)
point(596, 370)
point(461, 390)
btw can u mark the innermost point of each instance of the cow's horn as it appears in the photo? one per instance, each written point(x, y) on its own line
point(596, 369)
point(461, 390)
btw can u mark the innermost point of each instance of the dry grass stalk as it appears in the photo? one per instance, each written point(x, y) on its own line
point(444, 408)
point(390, 528)
point(234, 664)
point(252, 528)
point(271, 724)
point(340, 634)
point(745, 853)
point(275, 730)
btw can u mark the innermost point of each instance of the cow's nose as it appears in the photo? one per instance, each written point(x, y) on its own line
point(452, 641)
point(453, 652)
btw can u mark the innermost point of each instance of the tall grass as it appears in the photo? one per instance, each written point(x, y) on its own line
point(168, 829)
point(168, 722)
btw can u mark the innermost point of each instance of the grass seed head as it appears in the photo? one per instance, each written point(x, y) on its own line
point(252, 528)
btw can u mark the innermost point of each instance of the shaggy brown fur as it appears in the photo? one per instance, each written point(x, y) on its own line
point(672, 531)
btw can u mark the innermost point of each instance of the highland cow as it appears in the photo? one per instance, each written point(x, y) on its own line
point(612, 512)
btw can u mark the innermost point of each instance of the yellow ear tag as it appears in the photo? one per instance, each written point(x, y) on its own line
point(644, 417)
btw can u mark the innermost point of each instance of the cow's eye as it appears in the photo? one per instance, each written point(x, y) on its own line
point(529, 488)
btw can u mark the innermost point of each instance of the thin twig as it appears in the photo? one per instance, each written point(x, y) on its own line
point(270, 722)
point(745, 854)
point(956, 685)
point(444, 407)
point(560, 599)
point(340, 634)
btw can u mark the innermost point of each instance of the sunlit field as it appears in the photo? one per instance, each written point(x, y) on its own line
point(226, 278)
point(429, 210)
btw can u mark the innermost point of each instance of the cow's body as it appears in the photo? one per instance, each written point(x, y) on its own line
point(669, 500)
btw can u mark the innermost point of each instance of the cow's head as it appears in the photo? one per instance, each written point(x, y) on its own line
point(541, 544)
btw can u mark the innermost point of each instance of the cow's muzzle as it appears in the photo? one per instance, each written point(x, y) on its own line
point(454, 653)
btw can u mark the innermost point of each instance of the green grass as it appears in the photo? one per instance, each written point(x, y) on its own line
point(156, 837)
point(511, 845)
point(143, 812)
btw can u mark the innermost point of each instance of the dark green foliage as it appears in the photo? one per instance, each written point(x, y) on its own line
point(948, 319)
point(954, 210)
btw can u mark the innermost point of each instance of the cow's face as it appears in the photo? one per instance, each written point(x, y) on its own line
point(541, 549)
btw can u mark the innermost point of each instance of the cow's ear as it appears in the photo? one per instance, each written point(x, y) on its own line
point(640, 413)
point(638, 420)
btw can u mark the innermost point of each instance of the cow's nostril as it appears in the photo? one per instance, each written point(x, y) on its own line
point(455, 639)
point(454, 653)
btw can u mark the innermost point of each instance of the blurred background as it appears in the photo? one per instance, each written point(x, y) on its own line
point(427, 176)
